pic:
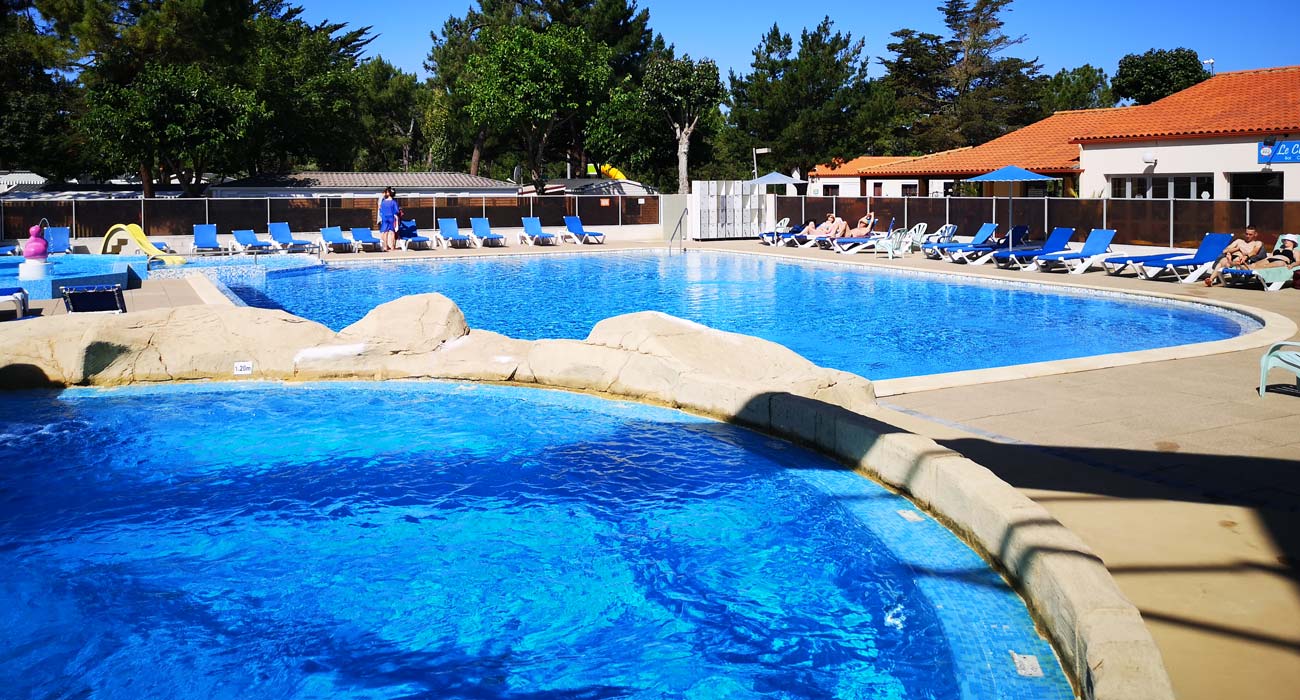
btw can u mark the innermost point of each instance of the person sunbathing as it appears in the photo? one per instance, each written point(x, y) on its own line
point(1284, 256)
point(832, 227)
point(865, 224)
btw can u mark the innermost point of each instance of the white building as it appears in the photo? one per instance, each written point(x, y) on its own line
point(1234, 136)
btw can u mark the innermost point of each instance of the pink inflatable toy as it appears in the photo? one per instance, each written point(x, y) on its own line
point(36, 248)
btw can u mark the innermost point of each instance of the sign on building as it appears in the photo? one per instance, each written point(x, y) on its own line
point(1279, 152)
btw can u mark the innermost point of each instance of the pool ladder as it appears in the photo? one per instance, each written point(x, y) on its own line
point(677, 230)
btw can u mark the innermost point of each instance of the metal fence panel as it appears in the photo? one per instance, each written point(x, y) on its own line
point(640, 210)
point(20, 215)
point(173, 217)
point(229, 215)
point(1083, 215)
point(302, 214)
point(598, 211)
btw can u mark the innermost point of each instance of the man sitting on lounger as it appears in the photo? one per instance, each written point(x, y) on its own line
point(864, 226)
point(1239, 253)
point(1282, 257)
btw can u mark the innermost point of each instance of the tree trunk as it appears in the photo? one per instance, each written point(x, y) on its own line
point(683, 148)
point(146, 181)
point(478, 151)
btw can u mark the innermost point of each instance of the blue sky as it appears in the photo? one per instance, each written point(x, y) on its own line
point(1237, 34)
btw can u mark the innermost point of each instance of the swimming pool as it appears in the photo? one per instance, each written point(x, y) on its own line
point(876, 323)
point(450, 540)
point(75, 269)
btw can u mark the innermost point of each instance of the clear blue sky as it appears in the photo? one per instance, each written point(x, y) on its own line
point(1237, 34)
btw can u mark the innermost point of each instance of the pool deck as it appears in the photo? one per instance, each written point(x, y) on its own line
point(1175, 472)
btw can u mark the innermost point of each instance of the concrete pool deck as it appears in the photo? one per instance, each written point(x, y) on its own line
point(1175, 472)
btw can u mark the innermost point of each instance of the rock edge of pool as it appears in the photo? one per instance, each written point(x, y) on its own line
point(651, 357)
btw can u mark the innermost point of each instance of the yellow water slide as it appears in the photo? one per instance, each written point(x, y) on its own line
point(119, 234)
point(611, 172)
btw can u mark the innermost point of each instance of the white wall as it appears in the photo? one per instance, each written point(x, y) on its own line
point(849, 186)
point(1219, 157)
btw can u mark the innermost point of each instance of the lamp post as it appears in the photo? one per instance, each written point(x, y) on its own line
point(1209, 62)
point(758, 151)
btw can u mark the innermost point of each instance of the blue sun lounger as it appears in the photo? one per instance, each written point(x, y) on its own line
point(448, 234)
point(247, 242)
point(481, 232)
point(365, 238)
point(1116, 264)
point(860, 244)
point(408, 236)
point(1057, 241)
point(935, 250)
point(332, 238)
point(1095, 247)
point(58, 239)
point(16, 296)
point(1189, 268)
point(94, 298)
point(534, 235)
point(979, 254)
point(205, 240)
point(283, 238)
point(580, 235)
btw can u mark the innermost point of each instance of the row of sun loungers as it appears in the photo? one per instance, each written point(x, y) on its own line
point(409, 237)
point(1054, 253)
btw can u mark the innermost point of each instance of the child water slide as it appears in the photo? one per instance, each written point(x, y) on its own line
point(119, 234)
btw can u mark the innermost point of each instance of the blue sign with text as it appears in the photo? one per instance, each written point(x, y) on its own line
point(1280, 152)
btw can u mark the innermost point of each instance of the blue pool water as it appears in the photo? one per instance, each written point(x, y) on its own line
point(458, 541)
point(75, 269)
point(878, 324)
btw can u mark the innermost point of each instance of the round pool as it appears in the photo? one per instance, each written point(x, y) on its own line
point(880, 324)
point(447, 540)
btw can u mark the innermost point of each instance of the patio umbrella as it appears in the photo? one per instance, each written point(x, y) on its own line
point(772, 178)
point(1011, 173)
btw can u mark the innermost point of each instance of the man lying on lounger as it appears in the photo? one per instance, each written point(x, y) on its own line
point(833, 227)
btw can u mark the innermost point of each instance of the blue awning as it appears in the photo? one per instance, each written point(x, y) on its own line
point(1011, 173)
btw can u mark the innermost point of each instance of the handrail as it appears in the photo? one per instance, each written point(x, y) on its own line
point(677, 229)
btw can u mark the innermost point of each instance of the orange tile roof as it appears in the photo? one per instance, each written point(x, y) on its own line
point(850, 168)
point(1043, 147)
point(1241, 103)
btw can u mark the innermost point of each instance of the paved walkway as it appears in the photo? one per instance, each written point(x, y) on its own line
point(1177, 473)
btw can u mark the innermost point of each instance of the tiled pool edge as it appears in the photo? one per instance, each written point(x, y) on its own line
point(1276, 327)
point(1098, 633)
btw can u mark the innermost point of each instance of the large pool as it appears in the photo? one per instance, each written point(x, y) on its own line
point(877, 323)
point(461, 541)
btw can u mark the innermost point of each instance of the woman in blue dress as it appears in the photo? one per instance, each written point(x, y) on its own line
point(389, 213)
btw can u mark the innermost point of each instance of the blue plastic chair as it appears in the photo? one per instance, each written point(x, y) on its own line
point(205, 239)
point(982, 236)
point(534, 235)
point(283, 237)
point(581, 235)
point(94, 298)
point(246, 242)
point(408, 235)
point(1057, 241)
point(365, 238)
point(482, 230)
point(332, 237)
point(1189, 268)
point(1095, 247)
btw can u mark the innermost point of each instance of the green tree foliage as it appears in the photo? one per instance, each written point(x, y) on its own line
point(962, 90)
point(305, 76)
point(1084, 87)
point(799, 103)
point(35, 101)
point(681, 91)
point(1156, 74)
point(177, 119)
point(391, 118)
point(533, 84)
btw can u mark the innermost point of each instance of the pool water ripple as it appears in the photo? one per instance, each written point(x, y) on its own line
point(445, 540)
point(879, 324)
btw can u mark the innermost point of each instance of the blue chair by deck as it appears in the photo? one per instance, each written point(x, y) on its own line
point(1057, 241)
point(534, 235)
point(972, 254)
point(1285, 356)
point(58, 239)
point(1095, 247)
point(855, 244)
point(205, 240)
point(449, 235)
point(1116, 264)
point(1189, 268)
point(332, 238)
point(579, 234)
point(247, 242)
point(982, 236)
point(94, 298)
point(283, 238)
point(482, 231)
point(365, 239)
point(408, 236)
point(16, 296)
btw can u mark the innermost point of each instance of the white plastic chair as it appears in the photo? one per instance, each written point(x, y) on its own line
point(1285, 356)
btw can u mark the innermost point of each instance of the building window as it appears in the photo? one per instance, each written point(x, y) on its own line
point(1204, 187)
point(1159, 188)
point(1036, 189)
point(1256, 186)
point(910, 190)
point(1118, 188)
point(830, 190)
point(877, 189)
